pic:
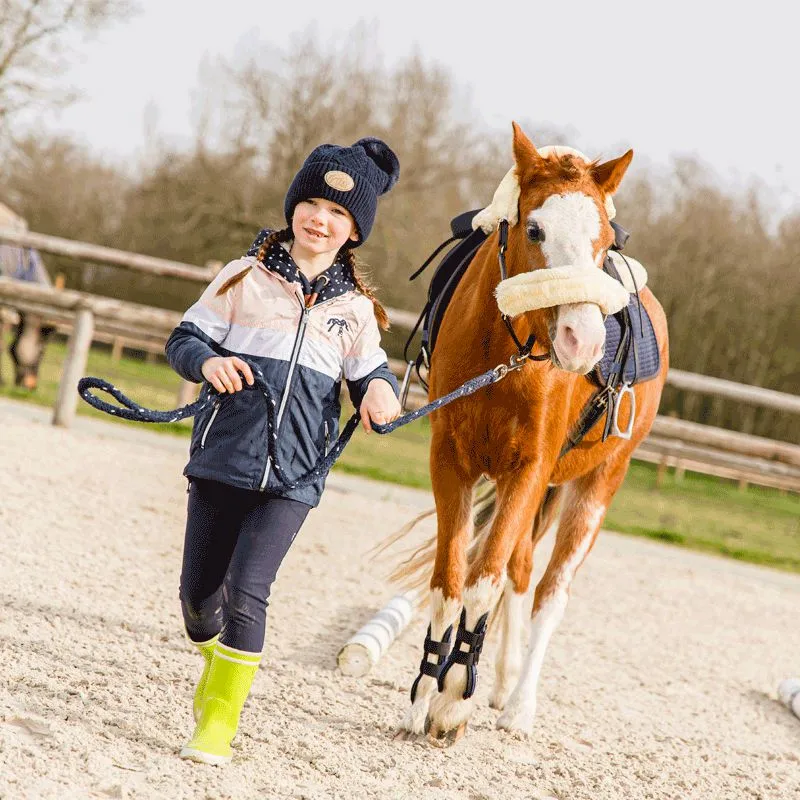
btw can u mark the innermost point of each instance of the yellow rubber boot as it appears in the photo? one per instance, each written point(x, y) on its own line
point(230, 676)
point(206, 650)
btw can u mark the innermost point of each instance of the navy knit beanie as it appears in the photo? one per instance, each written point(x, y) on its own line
point(353, 177)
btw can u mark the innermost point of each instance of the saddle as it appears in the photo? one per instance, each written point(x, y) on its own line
point(631, 352)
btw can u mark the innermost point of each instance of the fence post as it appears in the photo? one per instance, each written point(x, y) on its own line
point(662, 471)
point(74, 367)
point(116, 349)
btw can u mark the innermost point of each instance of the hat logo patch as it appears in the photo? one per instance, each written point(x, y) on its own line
point(338, 180)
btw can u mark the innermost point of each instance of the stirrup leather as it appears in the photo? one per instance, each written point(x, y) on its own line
point(469, 658)
point(432, 648)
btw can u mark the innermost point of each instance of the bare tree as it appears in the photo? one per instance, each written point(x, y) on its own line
point(36, 39)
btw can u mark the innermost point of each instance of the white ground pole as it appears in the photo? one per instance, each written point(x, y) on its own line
point(366, 647)
point(789, 694)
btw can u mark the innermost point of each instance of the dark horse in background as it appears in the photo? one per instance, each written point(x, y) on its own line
point(28, 343)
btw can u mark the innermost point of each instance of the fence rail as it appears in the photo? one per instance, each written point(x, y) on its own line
point(672, 442)
point(94, 253)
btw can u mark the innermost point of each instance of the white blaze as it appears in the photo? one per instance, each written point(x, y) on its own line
point(571, 223)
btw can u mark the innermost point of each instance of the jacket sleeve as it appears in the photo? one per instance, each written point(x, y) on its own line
point(204, 326)
point(367, 361)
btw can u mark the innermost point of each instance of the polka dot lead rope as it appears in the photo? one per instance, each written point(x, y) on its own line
point(136, 413)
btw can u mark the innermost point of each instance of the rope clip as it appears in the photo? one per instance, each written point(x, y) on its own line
point(517, 361)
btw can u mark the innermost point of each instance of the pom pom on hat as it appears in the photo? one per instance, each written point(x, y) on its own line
point(384, 158)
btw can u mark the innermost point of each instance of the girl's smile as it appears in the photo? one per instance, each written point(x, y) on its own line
point(321, 226)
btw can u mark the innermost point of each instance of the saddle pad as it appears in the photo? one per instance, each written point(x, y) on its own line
point(644, 360)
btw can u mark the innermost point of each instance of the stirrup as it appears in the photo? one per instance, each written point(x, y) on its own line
point(624, 390)
point(405, 385)
point(469, 658)
point(432, 648)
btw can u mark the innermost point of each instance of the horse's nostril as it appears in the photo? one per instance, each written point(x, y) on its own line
point(569, 335)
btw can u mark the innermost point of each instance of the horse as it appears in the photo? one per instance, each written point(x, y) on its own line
point(513, 434)
point(31, 334)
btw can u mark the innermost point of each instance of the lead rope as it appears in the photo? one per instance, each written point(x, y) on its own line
point(136, 413)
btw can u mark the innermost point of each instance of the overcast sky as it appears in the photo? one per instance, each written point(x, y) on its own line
point(711, 79)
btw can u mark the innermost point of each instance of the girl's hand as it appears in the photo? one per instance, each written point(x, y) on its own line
point(223, 373)
point(379, 404)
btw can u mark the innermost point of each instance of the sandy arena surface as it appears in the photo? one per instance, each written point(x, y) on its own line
point(660, 682)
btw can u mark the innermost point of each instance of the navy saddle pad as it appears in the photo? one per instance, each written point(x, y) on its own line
point(644, 361)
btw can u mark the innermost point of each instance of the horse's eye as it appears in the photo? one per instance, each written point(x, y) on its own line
point(535, 231)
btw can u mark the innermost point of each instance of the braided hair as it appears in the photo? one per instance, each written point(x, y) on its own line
point(276, 236)
point(359, 278)
point(347, 256)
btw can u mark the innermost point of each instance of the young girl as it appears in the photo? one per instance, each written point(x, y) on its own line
point(297, 308)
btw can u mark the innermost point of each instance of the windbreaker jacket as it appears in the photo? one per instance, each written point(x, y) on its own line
point(302, 351)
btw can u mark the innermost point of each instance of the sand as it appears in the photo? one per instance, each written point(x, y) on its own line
point(660, 683)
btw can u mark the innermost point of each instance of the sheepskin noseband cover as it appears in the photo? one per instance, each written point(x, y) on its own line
point(543, 288)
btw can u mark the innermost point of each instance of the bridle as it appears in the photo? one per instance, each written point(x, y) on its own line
point(524, 350)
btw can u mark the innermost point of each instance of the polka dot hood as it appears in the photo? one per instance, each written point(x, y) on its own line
point(278, 260)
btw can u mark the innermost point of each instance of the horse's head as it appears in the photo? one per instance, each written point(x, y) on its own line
point(563, 221)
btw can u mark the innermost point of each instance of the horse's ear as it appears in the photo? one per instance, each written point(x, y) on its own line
point(526, 156)
point(608, 175)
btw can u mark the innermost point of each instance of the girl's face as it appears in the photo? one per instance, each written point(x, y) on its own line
point(320, 226)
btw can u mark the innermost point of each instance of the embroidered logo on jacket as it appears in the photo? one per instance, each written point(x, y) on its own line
point(341, 324)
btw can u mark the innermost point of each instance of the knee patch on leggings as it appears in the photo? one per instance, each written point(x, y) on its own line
point(202, 618)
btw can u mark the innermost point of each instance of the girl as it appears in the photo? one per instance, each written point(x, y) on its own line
point(296, 307)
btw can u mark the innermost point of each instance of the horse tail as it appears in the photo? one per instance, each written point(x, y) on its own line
point(414, 571)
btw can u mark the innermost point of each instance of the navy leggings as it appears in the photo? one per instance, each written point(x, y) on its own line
point(235, 541)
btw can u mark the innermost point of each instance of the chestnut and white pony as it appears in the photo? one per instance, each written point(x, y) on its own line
point(513, 431)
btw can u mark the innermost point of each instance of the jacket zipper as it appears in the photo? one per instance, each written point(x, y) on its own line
point(327, 437)
point(301, 329)
point(210, 423)
point(298, 341)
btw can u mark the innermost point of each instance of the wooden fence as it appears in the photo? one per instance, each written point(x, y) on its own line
point(675, 443)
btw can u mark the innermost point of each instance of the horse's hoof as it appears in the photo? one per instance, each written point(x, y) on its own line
point(405, 735)
point(440, 738)
point(518, 722)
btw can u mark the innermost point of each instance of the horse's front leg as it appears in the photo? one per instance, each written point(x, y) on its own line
point(516, 603)
point(519, 495)
point(452, 489)
point(515, 611)
point(585, 506)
